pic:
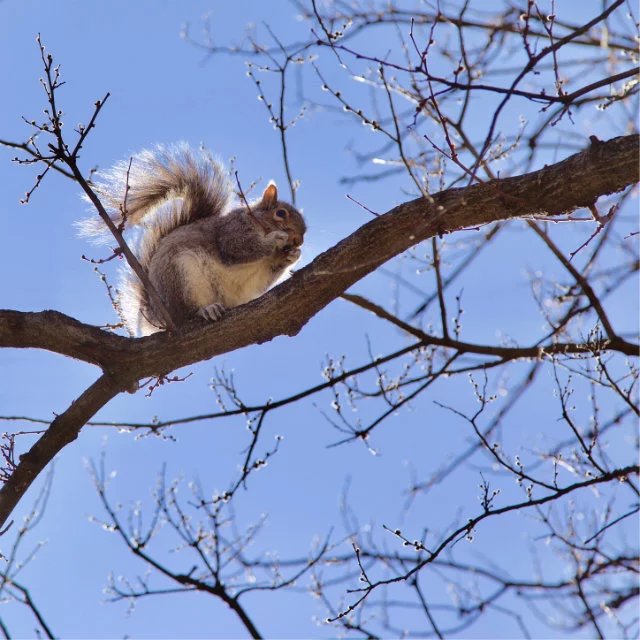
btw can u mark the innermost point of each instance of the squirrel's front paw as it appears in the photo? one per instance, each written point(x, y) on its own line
point(212, 312)
point(291, 255)
point(285, 258)
point(277, 239)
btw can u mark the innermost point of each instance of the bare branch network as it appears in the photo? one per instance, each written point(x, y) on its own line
point(437, 97)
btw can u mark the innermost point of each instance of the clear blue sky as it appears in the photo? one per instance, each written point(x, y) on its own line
point(164, 90)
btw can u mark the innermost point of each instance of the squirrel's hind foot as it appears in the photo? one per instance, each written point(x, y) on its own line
point(212, 312)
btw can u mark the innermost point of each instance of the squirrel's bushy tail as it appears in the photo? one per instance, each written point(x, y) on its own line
point(134, 188)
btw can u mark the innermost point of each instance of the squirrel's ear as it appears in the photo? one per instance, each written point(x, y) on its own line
point(270, 196)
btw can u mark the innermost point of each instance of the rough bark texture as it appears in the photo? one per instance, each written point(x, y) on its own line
point(578, 181)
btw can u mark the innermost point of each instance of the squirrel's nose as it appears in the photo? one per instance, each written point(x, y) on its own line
point(295, 239)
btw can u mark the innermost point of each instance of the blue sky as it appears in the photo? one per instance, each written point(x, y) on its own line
point(164, 90)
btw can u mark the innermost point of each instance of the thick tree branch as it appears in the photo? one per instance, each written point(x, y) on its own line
point(62, 430)
point(578, 181)
point(61, 334)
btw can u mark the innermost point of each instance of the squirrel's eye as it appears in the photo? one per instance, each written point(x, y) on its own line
point(281, 213)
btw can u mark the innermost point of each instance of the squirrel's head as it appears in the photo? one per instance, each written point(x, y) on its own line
point(274, 214)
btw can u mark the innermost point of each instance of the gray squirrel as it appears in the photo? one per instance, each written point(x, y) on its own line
point(201, 254)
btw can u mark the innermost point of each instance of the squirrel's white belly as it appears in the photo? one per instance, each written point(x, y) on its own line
point(246, 282)
point(208, 281)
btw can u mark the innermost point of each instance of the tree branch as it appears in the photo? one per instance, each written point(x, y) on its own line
point(578, 181)
point(63, 430)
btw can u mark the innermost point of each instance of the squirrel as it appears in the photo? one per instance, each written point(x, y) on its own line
point(202, 254)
